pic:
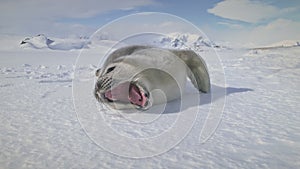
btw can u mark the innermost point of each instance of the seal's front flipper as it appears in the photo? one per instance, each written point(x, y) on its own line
point(197, 72)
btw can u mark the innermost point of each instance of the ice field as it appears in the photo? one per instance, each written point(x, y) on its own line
point(259, 126)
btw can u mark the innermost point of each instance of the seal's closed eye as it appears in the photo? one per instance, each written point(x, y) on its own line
point(110, 69)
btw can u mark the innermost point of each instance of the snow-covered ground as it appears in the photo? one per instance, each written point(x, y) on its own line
point(40, 127)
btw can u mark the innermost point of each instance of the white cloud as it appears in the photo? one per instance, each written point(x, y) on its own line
point(278, 30)
point(263, 35)
point(268, 23)
point(19, 16)
point(45, 9)
point(231, 25)
point(247, 10)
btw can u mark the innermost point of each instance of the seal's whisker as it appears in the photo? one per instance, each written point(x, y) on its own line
point(104, 82)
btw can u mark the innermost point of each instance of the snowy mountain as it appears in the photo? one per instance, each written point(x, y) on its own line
point(181, 41)
point(42, 42)
point(38, 42)
point(175, 40)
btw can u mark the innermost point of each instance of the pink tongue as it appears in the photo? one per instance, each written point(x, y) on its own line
point(136, 97)
point(120, 93)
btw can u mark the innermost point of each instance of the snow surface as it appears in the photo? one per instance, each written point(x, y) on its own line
point(260, 125)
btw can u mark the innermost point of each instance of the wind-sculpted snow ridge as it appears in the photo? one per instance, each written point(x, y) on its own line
point(55, 74)
point(285, 43)
point(42, 42)
point(274, 47)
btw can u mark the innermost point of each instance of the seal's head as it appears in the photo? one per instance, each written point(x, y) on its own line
point(120, 89)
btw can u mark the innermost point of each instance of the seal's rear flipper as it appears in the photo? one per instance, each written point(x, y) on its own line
point(197, 72)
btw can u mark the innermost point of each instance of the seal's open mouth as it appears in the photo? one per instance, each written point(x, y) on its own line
point(127, 92)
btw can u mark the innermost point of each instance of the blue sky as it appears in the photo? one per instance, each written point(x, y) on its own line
point(236, 21)
point(192, 10)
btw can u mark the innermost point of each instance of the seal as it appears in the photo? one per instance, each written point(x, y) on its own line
point(142, 76)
